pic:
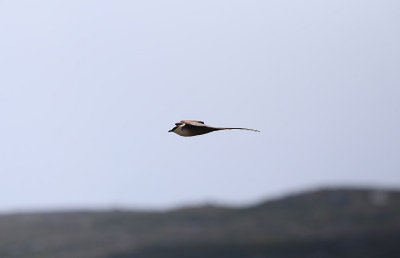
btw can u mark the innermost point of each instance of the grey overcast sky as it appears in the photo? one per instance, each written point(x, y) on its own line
point(89, 89)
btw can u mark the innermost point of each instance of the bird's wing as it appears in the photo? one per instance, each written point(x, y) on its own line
point(193, 122)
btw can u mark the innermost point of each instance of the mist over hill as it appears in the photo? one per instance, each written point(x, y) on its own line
point(341, 222)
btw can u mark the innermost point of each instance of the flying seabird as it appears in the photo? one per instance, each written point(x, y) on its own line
point(194, 127)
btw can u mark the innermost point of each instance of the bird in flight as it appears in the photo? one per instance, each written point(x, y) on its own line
point(194, 127)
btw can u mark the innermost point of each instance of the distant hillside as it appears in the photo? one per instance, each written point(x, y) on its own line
point(325, 223)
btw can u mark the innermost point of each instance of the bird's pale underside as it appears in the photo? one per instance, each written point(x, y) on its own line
point(193, 127)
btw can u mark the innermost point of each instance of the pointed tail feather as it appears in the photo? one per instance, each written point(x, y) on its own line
point(239, 128)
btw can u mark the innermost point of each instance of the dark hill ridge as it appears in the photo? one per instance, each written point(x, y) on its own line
point(323, 223)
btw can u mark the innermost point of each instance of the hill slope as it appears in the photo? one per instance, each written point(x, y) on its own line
point(325, 223)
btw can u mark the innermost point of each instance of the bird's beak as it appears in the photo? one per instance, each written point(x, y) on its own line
point(172, 129)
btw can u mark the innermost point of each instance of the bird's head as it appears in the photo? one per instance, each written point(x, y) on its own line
point(176, 126)
point(173, 129)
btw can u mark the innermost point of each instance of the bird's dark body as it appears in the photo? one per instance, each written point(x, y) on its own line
point(193, 127)
point(197, 130)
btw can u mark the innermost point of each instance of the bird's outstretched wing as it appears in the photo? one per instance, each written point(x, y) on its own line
point(193, 122)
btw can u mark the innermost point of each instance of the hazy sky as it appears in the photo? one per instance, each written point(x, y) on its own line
point(89, 89)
